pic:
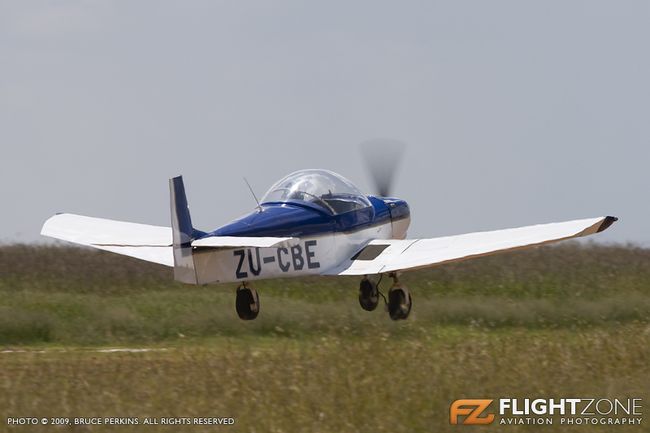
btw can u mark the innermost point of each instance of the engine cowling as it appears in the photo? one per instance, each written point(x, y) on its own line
point(400, 217)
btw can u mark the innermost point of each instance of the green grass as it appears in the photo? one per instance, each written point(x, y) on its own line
point(330, 384)
point(565, 321)
point(70, 296)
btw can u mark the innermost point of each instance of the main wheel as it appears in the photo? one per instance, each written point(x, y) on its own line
point(399, 303)
point(368, 295)
point(247, 303)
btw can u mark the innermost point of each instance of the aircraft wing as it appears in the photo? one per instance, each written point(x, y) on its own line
point(380, 256)
point(142, 241)
point(99, 231)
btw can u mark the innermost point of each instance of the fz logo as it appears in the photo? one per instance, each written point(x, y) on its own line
point(296, 257)
point(472, 409)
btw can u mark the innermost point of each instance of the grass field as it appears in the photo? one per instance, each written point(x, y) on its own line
point(551, 322)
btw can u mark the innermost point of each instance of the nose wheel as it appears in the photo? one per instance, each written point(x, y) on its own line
point(398, 303)
point(368, 295)
point(247, 303)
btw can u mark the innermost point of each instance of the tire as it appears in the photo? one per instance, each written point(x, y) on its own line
point(247, 303)
point(399, 303)
point(368, 295)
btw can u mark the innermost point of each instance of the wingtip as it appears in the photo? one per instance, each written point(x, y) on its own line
point(608, 221)
point(47, 222)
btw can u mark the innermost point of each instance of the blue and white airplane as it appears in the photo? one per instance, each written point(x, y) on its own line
point(311, 222)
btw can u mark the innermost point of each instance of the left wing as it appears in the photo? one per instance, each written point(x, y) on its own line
point(381, 256)
point(142, 241)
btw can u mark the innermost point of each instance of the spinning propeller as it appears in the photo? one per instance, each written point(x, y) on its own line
point(382, 156)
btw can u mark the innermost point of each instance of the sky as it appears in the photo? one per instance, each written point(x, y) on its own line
point(514, 112)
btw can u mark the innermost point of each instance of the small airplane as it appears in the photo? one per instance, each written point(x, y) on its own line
point(311, 222)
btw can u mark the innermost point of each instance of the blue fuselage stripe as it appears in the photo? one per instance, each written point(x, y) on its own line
point(298, 220)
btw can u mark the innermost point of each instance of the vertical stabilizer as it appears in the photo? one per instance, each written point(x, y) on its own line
point(181, 233)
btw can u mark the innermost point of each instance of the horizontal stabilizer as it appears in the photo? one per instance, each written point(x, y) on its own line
point(238, 241)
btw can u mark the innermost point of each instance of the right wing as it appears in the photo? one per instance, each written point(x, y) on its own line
point(380, 256)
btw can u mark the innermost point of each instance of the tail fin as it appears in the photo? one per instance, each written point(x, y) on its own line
point(182, 233)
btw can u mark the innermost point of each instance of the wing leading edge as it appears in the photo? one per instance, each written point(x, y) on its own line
point(381, 256)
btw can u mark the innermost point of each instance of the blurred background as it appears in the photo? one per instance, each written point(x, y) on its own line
point(514, 113)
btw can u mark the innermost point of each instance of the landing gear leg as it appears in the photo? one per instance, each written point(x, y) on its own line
point(399, 300)
point(247, 303)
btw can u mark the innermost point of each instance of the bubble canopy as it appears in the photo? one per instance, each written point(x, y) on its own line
point(322, 188)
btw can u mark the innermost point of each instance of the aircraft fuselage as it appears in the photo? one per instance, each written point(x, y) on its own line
point(321, 239)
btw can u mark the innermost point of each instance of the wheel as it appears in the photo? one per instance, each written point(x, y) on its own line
point(399, 303)
point(247, 303)
point(368, 295)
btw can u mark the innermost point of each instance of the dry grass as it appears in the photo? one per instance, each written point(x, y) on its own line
point(332, 384)
point(553, 322)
